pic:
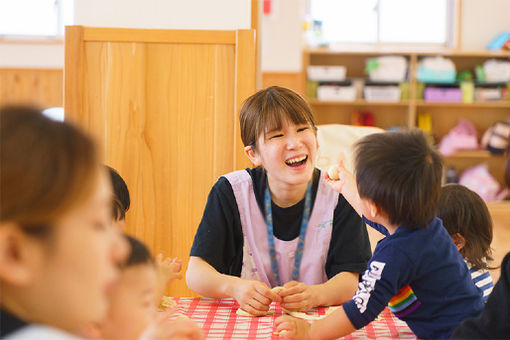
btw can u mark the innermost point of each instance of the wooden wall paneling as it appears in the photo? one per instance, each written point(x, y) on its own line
point(245, 85)
point(73, 74)
point(291, 80)
point(42, 88)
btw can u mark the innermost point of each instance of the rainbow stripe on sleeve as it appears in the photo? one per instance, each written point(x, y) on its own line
point(404, 303)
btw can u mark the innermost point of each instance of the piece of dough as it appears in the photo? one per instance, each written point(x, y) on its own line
point(334, 172)
point(166, 302)
point(301, 315)
point(277, 289)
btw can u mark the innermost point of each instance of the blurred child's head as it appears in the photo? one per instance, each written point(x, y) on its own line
point(467, 219)
point(121, 200)
point(56, 239)
point(507, 167)
point(400, 173)
point(132, 300)
point(268, 109)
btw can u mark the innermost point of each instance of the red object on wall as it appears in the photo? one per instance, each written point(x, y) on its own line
point(267, 7)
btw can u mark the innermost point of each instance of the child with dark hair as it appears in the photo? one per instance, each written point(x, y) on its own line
point(121, 200)
point(468, 221)
point(416, 269)
point(168, 269)
point(132, 314)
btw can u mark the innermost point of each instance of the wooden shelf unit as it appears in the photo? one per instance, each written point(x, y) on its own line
point(404, 113)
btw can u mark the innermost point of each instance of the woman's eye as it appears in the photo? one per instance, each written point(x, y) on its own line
point(303, 129)
point(276, 136)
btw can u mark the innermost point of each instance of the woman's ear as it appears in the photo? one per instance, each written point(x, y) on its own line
point(252, 155)
point(459, 241)
point(17, 257)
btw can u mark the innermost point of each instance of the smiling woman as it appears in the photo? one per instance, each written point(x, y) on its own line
point(56, 205)
point(278, 224)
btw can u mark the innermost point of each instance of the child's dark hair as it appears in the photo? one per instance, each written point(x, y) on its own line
point(464, 212)
point(121, 201)
point(401, 173)
point(139, 253)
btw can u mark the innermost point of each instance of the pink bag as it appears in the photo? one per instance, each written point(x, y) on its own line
point(463, 136)
point(481, 181)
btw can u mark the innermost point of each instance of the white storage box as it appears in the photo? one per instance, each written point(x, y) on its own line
point(326, 73)
point(389, 69)
point(382, 93)
point(497, 71)
point(336, 93)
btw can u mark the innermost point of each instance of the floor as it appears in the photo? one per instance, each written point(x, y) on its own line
point(500, 213)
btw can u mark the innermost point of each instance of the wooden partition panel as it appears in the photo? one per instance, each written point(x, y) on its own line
point(163, 105)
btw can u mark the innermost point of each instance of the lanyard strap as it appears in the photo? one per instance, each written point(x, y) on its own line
point(302, 234)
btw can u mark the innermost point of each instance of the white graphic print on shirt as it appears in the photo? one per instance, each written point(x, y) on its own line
point(371, 275)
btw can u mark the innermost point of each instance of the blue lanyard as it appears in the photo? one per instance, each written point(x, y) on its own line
point(302, 234)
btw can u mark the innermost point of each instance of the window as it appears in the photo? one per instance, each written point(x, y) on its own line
point(35, 18)
point(382, 21)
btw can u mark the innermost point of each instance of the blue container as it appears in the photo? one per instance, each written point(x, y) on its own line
point(431, 76)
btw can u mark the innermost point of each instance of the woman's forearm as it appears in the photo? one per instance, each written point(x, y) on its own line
point(203, 279)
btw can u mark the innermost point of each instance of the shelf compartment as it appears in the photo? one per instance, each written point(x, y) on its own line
point(358, 102)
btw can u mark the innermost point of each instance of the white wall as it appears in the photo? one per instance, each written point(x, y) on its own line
point(171, 14)
point(482, 21)
point(281, 36)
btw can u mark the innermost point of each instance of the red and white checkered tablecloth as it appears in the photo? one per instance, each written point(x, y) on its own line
point(218, 320)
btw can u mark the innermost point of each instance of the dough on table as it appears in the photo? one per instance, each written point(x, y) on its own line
point(242, 312)
point(166, 302)
point(334, 172)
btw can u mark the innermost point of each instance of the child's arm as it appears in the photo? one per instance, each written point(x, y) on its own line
point(335, 325)
point(253, 296)
point(298, 296)
point(168, 269)
point(346, 185)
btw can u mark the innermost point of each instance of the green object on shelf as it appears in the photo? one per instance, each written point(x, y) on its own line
point(371, 65)
point(480, 73)
point(465, 76)
point(405, 91)
point(420, 88)
point(468, 91)
point(311, 89)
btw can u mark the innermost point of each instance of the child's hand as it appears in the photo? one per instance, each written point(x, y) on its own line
point(292, 328)
point(179, 328)
point(346, 185)
point(168, 269)
point(254, 297)
point(297, 296)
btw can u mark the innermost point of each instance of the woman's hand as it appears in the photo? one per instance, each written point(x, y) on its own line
point(297, 296)
point(292, 328)
point(254, 297)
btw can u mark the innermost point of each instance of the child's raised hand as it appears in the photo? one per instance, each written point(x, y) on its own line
point(168, 268)
point(345, 185)
point(254, 297)
point(292, 328)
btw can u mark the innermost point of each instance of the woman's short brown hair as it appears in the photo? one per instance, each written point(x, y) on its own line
point(46, 167)
point(464, 212)
point(401, 173)
point(268, 108)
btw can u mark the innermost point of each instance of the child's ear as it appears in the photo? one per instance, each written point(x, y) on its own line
point(252, 155)
point(15, 255)
point(373, 209)
point(459, 241)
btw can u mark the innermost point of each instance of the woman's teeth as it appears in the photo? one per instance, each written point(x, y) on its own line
point(294, 161)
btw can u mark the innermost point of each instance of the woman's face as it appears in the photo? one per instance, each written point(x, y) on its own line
point(288, 154)
point(79, 262)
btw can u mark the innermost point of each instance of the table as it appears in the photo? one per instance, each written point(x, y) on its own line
point(218, 320)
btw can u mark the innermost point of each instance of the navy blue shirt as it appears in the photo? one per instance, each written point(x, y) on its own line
point(421, 276)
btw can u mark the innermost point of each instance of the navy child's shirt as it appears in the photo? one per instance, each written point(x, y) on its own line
point(421, 277)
